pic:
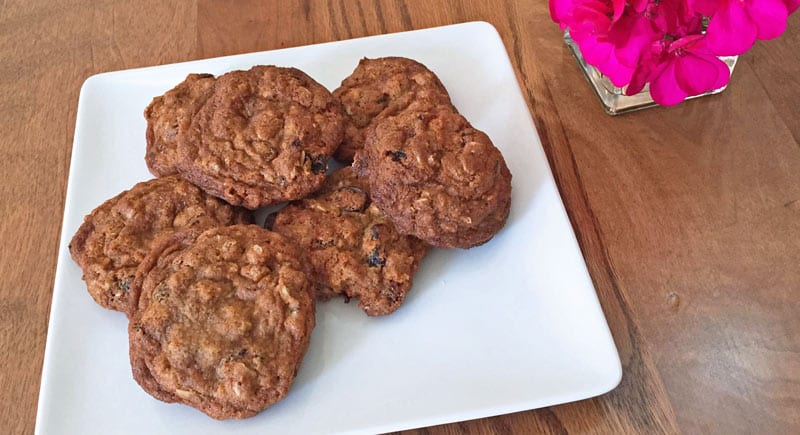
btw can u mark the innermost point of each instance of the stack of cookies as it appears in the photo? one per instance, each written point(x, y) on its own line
point(434, 175)
point(221, 310)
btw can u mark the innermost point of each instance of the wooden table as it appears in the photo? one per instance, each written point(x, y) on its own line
point(688, 217)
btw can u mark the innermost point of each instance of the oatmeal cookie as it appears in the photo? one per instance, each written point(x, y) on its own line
point(262, 137)
point(435, 176)
point(168, 116)
point(377, 85)
point(353, 249)
point(221, 320)
point(114, 238)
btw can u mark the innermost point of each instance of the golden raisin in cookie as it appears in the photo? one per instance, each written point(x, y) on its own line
point(168, 116)
point(263, 136)
point(353, 249)
point(435, 176)
point(221, 320)
point(117, 235)
point(377, 85)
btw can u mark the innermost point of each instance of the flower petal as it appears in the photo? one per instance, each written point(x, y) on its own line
point(677, 18)
point(590, 20)
point(700, 48)
point(731, 31)
point(630, 36)
point(704, 7)
point(640, 5)
point(664, 87)
point(652, 62)
point(769, 17)
point(638, 80)
point(619, 7)
point(619, 74)
point(697, 74)
point(791, 5)
point(594, 51)
point(560, 10)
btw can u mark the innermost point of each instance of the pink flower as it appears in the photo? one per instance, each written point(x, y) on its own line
point(704, 7)
point(709, 7)
point(603, 56)
point(679, 69)
point(631, 34)
point(563, 11)
point(677, 19)
point(589, 22)
point(736, 24)
point(662, 42)
point(560, 11)
point(610, 35)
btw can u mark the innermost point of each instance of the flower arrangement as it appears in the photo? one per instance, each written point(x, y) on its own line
point(672, 44)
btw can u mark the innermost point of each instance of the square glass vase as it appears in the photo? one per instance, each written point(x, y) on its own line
point(613, 98)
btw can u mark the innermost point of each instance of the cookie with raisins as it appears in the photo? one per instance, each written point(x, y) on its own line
point(168, 116)
point(353, 249)
point(221, 320)
point(435, 176)
point(115, 236)
point(378, 85)
point(263, 136)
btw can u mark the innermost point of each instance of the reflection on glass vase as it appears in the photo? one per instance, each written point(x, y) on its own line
point(613, 98)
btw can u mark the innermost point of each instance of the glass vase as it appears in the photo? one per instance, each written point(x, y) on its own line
point(613, 98)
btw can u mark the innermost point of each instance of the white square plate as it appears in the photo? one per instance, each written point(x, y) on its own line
point(511, 325)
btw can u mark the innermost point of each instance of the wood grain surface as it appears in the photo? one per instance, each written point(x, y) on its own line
point(688, 217)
